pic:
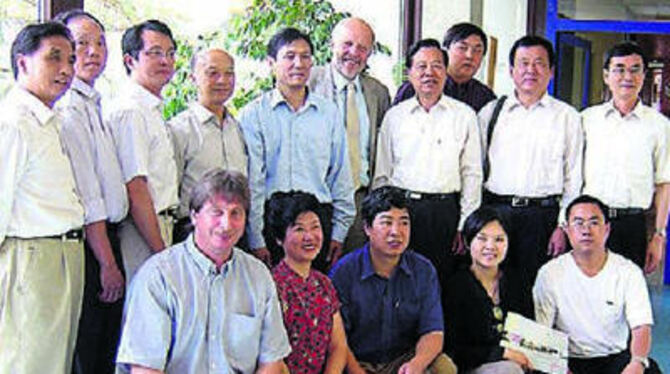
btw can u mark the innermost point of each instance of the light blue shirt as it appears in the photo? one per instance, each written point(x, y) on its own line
point(363, 120)
point(301, 150)
point(184, 316)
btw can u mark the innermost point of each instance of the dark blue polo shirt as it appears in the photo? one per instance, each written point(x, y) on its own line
point(385, 318)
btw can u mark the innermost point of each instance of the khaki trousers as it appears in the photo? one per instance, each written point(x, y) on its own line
point(442, 364)
point(41, 288)
point(134, 249)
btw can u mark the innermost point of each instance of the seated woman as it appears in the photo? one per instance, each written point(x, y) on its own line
point(309, 301)
point(477, 299)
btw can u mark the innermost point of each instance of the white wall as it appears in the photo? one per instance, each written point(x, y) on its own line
point(505, 20)
point(439, 15)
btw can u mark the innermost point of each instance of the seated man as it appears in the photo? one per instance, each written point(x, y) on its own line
point(202, 305)
point(390, 297)
point(597, 297)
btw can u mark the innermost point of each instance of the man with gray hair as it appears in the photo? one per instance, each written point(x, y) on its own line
point(362, 100)
point(205, 281)
point(206, 135)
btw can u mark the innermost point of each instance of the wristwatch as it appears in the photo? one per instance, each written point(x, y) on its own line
point(660, 231)
point(642, 360)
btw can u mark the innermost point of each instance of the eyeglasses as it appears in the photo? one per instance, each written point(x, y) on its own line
point(585, 224)
point(620, 71)
point(157, 53)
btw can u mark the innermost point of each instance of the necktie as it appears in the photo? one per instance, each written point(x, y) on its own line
point(353, 130)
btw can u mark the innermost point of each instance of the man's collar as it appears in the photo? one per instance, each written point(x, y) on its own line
point(145, 97)
point(204, 263)
point(341, 82)
point(21, 96)
point(442, 103)
point(84, 89)
point(545, 100)
point(452, 83)
point(204, 115)
point(610, 109)
point(368, 269)
point(276, 98)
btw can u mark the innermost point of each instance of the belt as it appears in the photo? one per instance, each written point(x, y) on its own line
point(72, 235)
point(614, 213)
point(430, 196)
point(169, 212)
point(521, 201)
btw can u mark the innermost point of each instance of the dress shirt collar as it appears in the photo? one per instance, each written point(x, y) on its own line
point(545, 100)
point(144, 97)
point(203, 263)
point(611, 109)
point(276, 98)
point(368, 270)
point(84, 89)
point(21, 96)
point(442, 103)
point(451, 83)
point(341, 82)
point(204, 115)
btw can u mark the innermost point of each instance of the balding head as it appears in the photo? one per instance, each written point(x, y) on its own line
point(352, 42)
point(213, 72)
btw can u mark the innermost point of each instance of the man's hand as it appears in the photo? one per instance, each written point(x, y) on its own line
point(633, 367)
point(518, 357)
point(334, 253)
point(458, 246)
point(557, 242)
point(112, 283)
point(654, 253)
point(263, 254)
point(411, 367)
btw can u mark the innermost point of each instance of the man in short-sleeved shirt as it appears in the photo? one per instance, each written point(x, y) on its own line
point(206, 135)
point(143, 143)
point(390, 296)
point(204, 306)
point(596, 296)
point(627, 160)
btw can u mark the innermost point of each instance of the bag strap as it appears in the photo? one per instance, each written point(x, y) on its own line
point(489, 133)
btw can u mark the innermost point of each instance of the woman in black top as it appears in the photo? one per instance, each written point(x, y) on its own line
point(478, 298)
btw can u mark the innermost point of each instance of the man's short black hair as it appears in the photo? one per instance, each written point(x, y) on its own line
point(425, 43)
point(283, 208)
point(480, 218)
point(30, 37)
point(531, 41)
point(461, 31)
point(624, 49)
point(588, 199)
point(65, 17)
point(382, 200)
point(132, 44)
point(287, 36)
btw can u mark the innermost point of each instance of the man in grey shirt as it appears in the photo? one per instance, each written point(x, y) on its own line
point(206, 135)
point(204, 306)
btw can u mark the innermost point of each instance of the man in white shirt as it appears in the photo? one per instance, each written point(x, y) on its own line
point(362, 100)
point(143, 143)
point(429, 147)
point(597, 297)
point(97, 173)
point(206, 135)
point(533, 156)
point(627, 160)
point(41, 246)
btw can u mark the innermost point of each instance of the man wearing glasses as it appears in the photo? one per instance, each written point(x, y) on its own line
point(626, 162)
point(597, 297)
point(143, 143)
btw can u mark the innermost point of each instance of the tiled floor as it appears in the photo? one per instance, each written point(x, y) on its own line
point(660, 349)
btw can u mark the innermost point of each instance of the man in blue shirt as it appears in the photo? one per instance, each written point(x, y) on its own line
point(296, 141)
point(390, 297)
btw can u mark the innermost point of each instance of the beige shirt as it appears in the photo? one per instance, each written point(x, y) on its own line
point(534, 152)
point(37, 189)
point(143, 144)
point(625, 156)
point(201, 144)
point(432, 152)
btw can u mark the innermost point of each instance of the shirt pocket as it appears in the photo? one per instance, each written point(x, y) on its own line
point(243, 334)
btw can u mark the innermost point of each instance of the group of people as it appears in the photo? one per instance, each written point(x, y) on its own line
point(321, 165)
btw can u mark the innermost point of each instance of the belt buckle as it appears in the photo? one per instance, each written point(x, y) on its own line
point(612, 213)
point(519, 202)
point(414, 195)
